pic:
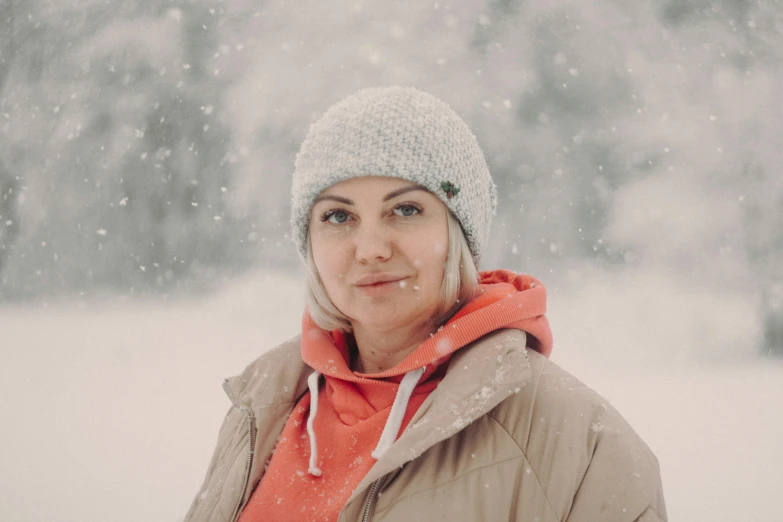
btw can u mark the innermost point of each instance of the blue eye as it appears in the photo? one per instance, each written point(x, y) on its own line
point(406, 210)
point(336, 217)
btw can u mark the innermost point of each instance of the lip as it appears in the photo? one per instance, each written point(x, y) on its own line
point(376, 285)
point(378, 279)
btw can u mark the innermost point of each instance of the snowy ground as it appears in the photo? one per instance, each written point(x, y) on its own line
point(110, 412)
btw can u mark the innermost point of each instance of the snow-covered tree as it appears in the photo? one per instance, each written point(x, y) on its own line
point(116, 128)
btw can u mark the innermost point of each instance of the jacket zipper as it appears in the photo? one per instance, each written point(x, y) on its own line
point(370, 499)
point(237, 404)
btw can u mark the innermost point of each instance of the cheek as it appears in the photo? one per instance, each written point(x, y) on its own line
point(330, 265)
point(431, 263)
point(434, 275)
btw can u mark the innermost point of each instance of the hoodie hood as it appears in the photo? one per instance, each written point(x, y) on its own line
point(505, 301)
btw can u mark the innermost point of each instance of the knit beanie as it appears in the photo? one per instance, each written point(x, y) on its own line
point(398, 132)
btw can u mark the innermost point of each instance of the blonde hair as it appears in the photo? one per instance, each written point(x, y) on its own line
point(459, 285)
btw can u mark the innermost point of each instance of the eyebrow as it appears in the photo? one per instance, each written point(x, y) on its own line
point(387, 197)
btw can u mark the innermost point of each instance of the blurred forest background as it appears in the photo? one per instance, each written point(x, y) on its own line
point(146, 146)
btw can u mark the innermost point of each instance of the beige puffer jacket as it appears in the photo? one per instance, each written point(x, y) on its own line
point(506, 435)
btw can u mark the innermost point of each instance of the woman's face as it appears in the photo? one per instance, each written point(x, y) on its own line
point(380, 247)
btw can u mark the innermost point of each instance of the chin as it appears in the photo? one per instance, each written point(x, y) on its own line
point(386, 321)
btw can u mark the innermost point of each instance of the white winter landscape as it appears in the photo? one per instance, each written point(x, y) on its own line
point(110, 411)
point(146, 153)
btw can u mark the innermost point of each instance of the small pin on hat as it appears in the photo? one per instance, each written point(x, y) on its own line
point(450, 189)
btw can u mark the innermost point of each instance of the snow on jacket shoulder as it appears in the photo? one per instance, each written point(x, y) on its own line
point(506, 435)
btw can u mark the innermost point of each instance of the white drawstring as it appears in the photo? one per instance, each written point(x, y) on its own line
point(390, 430)
point(393, 423)
point(312, 384)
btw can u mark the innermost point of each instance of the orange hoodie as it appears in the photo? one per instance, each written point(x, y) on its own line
point(329, 444)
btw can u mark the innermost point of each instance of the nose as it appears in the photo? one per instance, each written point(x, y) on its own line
point(373, 243)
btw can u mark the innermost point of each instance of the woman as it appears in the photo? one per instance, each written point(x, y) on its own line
point(419, 389)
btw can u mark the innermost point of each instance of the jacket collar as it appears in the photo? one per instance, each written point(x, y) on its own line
point(277, 377)
point(480, 376)
point(499, 358)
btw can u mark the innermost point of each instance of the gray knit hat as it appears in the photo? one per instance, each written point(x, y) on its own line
point(398, 132)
